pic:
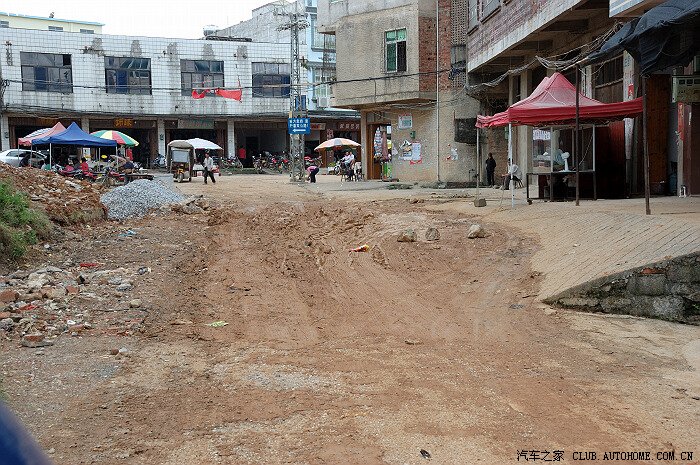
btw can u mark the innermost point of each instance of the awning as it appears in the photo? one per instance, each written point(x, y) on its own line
point(26, 141)
point(665, 36)
point(553, 103)
point(75, 136)
point(196, 143)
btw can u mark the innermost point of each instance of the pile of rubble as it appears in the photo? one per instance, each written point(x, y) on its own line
point(138, 198)
point(65, 201)
point(39, 306)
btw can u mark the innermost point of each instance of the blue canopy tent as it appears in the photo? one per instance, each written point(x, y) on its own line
point(74, 136)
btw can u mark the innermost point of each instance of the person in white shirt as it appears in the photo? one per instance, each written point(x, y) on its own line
point(513, 171)
point(208, 168)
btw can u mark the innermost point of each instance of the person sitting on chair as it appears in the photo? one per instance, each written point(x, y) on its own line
point(513, 171)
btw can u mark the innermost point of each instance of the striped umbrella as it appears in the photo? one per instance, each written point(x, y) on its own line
point(338, 142)
point(117, 136)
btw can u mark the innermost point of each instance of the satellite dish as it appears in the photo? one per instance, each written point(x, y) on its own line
point(565, 156)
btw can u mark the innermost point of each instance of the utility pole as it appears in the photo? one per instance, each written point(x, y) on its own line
point(297, 108)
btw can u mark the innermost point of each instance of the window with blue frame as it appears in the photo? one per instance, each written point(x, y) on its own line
point(201, 75)
point(128, 75)
point(271, 79)
point(47, 72)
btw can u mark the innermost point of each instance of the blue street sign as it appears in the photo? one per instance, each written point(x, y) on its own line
point(299, 126)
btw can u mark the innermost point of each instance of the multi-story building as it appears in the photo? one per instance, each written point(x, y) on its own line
point(394, 67)
point(143, 86)
point(674, 134)
point(530, 40)
point(317, 59)
point(17, 21)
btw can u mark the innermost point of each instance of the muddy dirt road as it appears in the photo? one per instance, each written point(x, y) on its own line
point(331, 356)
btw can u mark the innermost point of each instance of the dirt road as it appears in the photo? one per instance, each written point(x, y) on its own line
point(331, 356)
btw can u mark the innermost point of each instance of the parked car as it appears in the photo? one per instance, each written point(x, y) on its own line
point(14, 157)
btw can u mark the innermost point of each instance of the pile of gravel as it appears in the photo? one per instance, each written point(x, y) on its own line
point(137, 198)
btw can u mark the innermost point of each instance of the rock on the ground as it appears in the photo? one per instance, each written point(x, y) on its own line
point(135, 303)
point(35, 340)
point(138, 198)
point(408, 235)
point(432, 234)
point(8, 295)
point(476, 230)
point(6, 324)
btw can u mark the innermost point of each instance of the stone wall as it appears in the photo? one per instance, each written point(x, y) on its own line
point(669, 290)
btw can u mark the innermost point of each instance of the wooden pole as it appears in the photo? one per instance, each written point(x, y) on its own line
point(577, 137)
point(647, 190)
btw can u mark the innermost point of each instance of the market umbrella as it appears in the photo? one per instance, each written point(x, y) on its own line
point(117, 136)
point(338, 142)
point(28, 140)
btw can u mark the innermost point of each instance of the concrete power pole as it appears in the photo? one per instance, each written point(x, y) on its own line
point(297, 109)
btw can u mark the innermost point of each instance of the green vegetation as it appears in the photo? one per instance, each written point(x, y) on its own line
point(20, 226)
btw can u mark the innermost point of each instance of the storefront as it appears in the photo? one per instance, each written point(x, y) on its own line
point(332, 129)
point(144, 131)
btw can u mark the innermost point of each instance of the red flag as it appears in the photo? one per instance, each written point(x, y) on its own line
point(236, 94)
point(198, 95)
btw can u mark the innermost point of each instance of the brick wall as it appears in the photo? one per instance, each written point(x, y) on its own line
point(511, 16)
point(426, 26)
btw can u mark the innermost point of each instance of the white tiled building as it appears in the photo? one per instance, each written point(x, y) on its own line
point(142, 86)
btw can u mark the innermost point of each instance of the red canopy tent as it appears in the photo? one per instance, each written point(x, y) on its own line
point(26, 141)
point(553, 103)
point(556, 102)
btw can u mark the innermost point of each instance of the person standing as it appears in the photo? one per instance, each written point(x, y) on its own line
point(490, 170)
point(208, 168)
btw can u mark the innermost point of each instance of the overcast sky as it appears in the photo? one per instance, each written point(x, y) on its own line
point(159, 18)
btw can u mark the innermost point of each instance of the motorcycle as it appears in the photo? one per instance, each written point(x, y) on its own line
point(258, 164)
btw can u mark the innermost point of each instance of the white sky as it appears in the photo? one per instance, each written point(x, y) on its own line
point(158, 18)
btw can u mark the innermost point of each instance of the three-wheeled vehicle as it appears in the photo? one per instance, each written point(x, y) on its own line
point(180, 160)
point(181, 157)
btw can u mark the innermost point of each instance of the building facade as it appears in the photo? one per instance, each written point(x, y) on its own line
point(17, 21)
point(529, 41)
point(394, 67)
point(143, 86)
point(317, 60)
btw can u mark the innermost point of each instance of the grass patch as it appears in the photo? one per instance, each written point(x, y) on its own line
point(20, 225)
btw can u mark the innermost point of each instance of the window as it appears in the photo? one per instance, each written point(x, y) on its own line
point(322, 88)
point(488, 7)
point(271, 79)
point(128, 75)
point(87, 31)
point(396, 50)
point(200, 75)
point(46, 72)
point(458, 55)
point(4, 24)
point(473, 13)
point(56, 28)
point(609, 72)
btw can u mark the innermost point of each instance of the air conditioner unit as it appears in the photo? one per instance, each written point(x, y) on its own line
point(323, 102)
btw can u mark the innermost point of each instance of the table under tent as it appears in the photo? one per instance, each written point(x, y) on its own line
point(74, 136)
point(556, 109)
